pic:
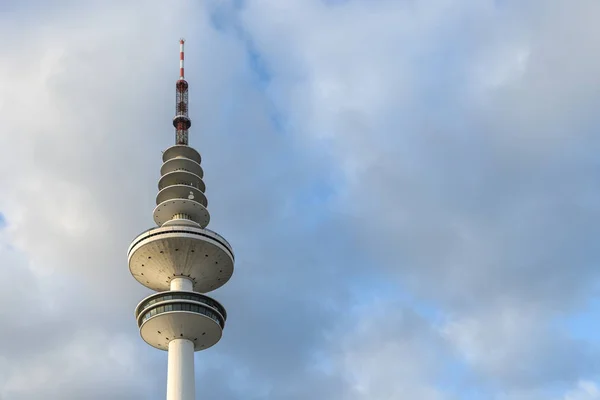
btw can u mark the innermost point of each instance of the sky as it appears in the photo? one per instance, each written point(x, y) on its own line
point(411, 189)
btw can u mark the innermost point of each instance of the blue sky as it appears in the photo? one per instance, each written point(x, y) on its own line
point(410, 188)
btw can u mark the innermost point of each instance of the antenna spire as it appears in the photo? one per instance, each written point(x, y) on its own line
point(181, 122)
point(181, 58)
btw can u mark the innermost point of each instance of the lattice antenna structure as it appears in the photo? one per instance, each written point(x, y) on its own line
point(181, 121)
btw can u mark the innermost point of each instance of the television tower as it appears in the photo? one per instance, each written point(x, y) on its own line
point(181, 259)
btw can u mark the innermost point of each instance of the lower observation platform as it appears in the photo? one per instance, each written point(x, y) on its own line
point(161, 254)
point(170, 315)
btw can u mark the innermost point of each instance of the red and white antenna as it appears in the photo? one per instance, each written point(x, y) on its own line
point(181, 58)
point(181, 122)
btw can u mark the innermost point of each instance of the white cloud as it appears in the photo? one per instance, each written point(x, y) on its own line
point(389, 353)
point(586, 390)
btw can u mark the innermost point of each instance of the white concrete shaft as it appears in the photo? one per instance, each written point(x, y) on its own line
point(182, 283)
point(181, 384)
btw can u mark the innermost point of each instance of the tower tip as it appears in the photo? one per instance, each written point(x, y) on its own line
point(181, 57)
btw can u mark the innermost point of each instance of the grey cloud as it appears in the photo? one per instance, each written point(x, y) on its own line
point(474, 193)
point(445, 183)
point(99, 138)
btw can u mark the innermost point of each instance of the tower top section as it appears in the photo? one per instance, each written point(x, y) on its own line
point(181, 121)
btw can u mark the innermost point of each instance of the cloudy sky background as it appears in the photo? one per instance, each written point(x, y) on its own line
point(411, 189)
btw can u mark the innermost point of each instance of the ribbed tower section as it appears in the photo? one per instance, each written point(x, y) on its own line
point(181, 259)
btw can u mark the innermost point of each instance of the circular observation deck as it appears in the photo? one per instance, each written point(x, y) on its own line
point(181, 178)
point(158, 255)
point(170, 315)
point(189, 209)
point(181, 192)
point(181, 164)
point(181, 150)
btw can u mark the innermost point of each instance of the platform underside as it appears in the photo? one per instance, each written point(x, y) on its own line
point(181, 192)
point(167, 210)
point(157, 256)
point(162, 328)
point(182, 151)
point(180, 163)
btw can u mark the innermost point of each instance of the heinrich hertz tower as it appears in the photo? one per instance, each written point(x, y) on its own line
point(180, 259)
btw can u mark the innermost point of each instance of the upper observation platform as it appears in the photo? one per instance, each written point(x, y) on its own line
point(158, 255)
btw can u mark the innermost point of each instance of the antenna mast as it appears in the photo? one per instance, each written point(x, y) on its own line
point(181, 122)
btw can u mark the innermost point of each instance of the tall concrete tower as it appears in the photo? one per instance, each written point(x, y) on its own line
point(181, 259)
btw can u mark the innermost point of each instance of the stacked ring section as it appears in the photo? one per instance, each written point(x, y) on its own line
point(181, 259)
point(181, 198)
point(170, 315)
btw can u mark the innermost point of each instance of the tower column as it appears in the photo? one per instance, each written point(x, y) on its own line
point(180, 379)
point(182, 283)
